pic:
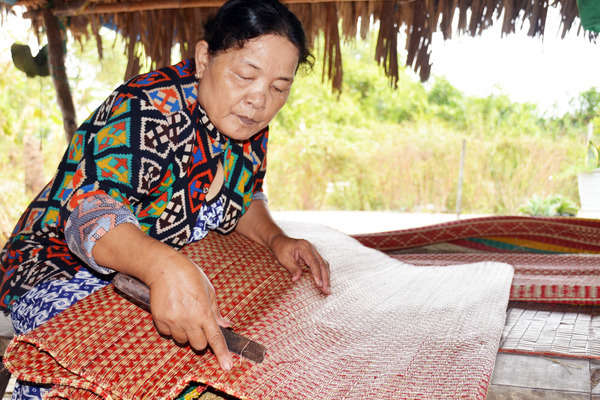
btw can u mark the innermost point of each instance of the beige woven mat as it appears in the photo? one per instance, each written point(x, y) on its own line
point(389, 330)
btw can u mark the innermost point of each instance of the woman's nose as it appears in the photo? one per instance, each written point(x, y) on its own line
point(257, 97)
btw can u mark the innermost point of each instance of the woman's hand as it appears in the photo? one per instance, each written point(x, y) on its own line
point(294, 254)
point(184, 306)
point(182, 299)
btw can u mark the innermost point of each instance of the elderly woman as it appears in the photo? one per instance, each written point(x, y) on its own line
point(168, 156)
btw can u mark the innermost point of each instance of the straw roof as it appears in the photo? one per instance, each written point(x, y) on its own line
point(156, 25)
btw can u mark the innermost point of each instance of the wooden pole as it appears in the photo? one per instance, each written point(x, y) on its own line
point(460, 178)
point(56, 59)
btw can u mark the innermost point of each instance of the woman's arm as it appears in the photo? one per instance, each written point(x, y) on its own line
point(293, 254)
point(183, 300)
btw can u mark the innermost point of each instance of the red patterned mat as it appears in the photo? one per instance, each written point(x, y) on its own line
point(556, 260)
point(389, 330)
point(498, 233)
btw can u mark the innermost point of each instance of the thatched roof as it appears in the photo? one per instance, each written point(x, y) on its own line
point(156, 25)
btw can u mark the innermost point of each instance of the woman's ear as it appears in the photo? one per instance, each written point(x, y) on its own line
point(201, 57)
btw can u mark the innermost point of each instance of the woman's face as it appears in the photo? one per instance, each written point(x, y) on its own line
point(242, 89)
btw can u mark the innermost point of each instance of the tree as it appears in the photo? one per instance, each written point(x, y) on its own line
point(587, 106)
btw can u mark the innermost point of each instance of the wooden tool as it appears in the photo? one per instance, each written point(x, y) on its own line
point(138, 293)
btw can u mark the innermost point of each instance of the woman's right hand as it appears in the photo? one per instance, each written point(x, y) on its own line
point(182, 299)
point(184, 306)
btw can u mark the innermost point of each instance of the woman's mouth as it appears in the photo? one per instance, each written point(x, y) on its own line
point(246, 120)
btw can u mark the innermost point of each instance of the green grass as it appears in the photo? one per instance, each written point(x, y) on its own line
point(412, 167)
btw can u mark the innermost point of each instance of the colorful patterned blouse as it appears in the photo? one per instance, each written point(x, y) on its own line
point(147, 156)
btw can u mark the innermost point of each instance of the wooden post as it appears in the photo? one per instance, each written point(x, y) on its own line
point(56, 59)
point(460, 178)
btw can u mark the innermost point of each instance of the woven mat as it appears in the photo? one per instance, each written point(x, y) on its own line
point(497, 233)
point(544, 278)
point(556, 260)
point(552, 329)
point(389, 330)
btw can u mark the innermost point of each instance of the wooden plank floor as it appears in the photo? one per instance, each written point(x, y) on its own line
point(548, 328)
point(519, 376)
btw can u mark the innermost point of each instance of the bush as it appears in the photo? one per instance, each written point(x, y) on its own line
point(551, 206)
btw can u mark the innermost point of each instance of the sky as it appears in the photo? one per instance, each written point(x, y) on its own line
point(548, 72)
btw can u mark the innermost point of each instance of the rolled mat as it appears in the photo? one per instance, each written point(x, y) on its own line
point(389, 330)
point(495, 234)
point(556, 260)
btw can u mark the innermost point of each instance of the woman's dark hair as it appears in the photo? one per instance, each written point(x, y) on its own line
point(239, 21)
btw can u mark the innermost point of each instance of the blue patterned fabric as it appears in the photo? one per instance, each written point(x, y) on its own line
point(211, 216)
point(24, 391)
point(49, 299)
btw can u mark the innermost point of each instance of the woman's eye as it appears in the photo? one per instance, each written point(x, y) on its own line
point(280, 90)
point(244, 78)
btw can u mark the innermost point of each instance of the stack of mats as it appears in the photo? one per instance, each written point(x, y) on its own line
point(389, 330)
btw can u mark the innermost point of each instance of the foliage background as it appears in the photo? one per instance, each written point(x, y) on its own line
point(371, 147)
point(376, 148)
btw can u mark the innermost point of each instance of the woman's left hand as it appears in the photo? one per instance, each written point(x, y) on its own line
point(294, 254)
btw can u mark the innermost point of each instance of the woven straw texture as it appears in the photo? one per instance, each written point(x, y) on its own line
point(552, 329)
point(497, 233)
point(556, 260)
point(389, 330)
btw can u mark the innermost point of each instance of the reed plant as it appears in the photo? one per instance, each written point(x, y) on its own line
point(414, 167)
